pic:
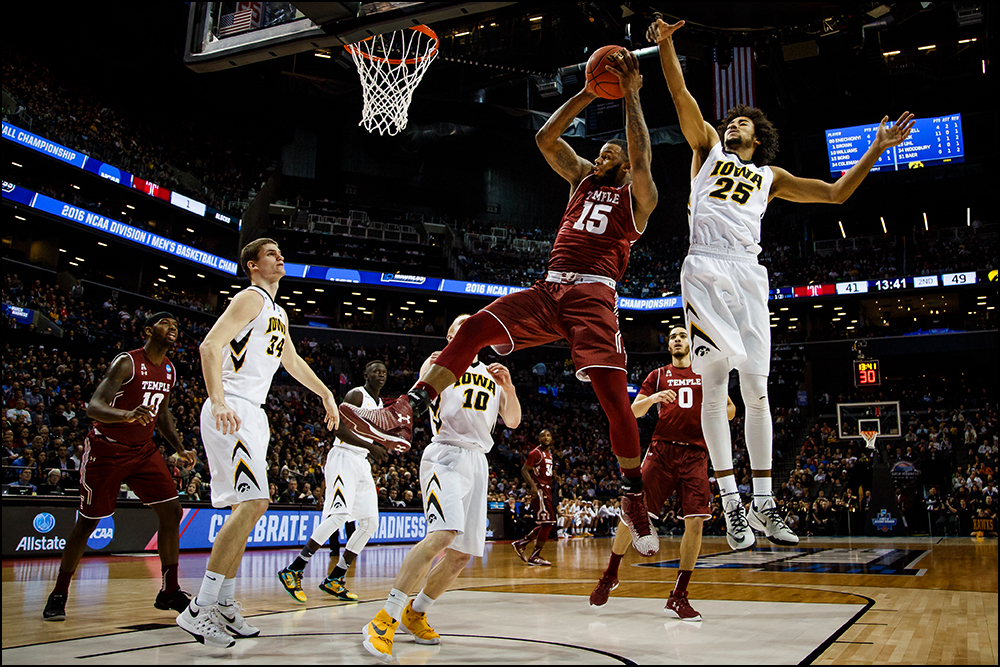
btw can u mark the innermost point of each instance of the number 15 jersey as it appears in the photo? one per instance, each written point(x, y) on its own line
point(254, 355)
point(596, 232)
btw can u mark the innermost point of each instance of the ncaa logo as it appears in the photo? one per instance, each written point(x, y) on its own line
point(103, 535)
point(44, 522)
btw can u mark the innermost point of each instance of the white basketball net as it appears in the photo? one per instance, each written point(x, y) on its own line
point(391, 66)
point(869, 437)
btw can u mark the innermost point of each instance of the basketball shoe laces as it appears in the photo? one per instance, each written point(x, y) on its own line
point(774, 516)
point(737, 518)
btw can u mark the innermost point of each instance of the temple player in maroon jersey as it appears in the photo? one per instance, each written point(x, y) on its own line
point(610, 201)
point(132, 399)
point(537, 472)
point(677, 458)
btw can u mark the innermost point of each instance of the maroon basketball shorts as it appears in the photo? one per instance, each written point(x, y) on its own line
point(106, 465)
point(669, 466)
point(542, 506)
point(583, 314)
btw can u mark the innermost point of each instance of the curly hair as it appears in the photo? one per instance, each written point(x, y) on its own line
point(767, 134)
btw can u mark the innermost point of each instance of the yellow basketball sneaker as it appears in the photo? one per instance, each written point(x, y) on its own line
point(291, 581)
point(415, 622)
point(337, 589)
point(378, 635)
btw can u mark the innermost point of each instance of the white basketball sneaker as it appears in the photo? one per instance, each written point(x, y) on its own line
point(738, 532)
point(767, 519)
point(234, 622)
point(205, 625)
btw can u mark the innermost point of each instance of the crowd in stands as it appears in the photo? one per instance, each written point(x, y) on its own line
point(183, 156)
point(47, 382)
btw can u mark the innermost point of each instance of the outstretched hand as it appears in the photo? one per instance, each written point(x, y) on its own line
point(661, 30)
point(898, 133)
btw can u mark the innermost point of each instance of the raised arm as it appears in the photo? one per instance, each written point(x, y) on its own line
point(815, 191)
point(700, 135)
point(626, 68)
point(558, 153)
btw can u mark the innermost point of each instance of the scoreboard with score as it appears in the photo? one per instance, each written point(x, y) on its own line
point(866, 373)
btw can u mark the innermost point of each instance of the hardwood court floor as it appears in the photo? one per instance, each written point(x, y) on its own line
point(828, 601)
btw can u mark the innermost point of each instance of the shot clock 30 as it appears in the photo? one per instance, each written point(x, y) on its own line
point(866, 373)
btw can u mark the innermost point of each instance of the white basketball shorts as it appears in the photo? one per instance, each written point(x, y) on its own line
point(350, 488)
point(725, 307)
point(237, 461)
point(454, 481)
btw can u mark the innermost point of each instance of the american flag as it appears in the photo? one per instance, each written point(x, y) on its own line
point(734, 84)
point(235, 23)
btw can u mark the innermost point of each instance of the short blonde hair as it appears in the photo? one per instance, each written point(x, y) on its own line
point(459, 321)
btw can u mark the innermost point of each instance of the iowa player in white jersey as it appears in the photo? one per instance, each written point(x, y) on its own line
point(239, 357)
point(454, 475)
point(350, 495)
point(725, 290)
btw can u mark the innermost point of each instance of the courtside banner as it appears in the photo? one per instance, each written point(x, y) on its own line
point(280, 527)
point(34, 527)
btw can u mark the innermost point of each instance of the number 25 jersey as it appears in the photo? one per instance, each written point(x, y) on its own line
point(254, 355)
point(728, 200)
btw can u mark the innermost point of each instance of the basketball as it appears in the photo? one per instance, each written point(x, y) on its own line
point(600, 81)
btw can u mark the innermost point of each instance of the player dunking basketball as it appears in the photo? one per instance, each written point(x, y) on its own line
point(537, 472)
point(239, 357)
point(725, 290)
point(610, 202)
point(129, 402)
point(454, 476)
point(676, 459)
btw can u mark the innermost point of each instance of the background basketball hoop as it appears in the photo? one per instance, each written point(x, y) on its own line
point(869, 437)
point(391, 66)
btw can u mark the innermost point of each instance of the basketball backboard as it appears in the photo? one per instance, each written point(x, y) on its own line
point(223, 35)
point(881, 416)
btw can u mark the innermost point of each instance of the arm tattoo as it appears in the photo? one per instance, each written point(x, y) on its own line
point(565, 159)
point(638, 135)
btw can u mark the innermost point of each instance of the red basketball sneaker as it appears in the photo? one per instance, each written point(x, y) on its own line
point(391, 426)
point(599, 596)
point(536, 559)
point(677, 605)
point(635, 516)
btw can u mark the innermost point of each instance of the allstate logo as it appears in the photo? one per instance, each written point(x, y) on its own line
point(103, 535)
point(44, 522)
point(884, 521)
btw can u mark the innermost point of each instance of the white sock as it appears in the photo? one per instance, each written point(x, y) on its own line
point(422, 603)
point(762, 487)
point(395, 603)
point(209, 592)
point(343, 564)
point(727, 486)
point(227, 592)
